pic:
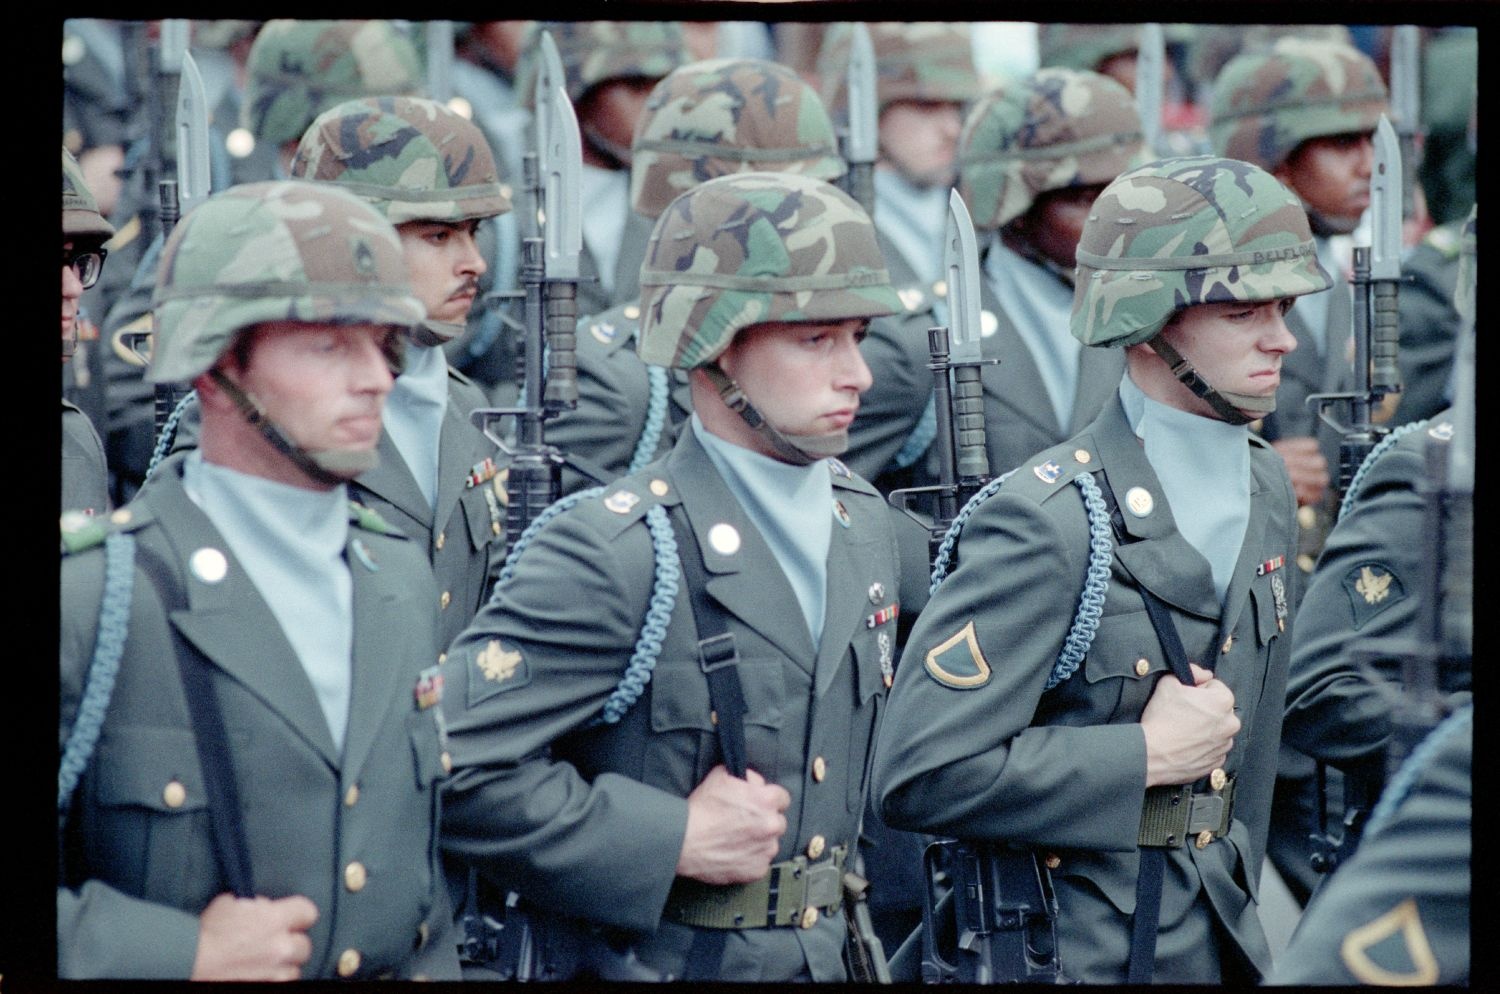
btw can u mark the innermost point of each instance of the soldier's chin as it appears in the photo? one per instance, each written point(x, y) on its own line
point(824, 444)
point(346, 463)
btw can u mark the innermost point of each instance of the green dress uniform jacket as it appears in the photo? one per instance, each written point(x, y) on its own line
point(467, 551)
point(355, 833)
point(974, 747)
point(1398, 913)
point(1429, 323)
point(85, 477)
point(586, 819)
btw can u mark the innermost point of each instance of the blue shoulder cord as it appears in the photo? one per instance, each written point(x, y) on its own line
point(1095, 586)
point(1358, 479)
point(109, 646)
point(656, 419)
point(169, 432)
point(668, 571)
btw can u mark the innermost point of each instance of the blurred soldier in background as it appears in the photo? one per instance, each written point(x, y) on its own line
point(85, 476)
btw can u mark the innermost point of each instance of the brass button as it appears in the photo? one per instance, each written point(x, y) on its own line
point(447, 762)
point(1053, 861)
point(422, 932)
point(820, 768)
point(1228, 644)
point(1082, 455)
point(348, 962)
point(351, 796)
point(815, 846)
point(632, 311)
point(174, 794)
point(713, 717)
point(809, 917)
point(354, 876)
point(1306, 563)
point(1217, 779)
point(441, 539)
point(659, 487)
point(1306, 516)
point(443, 600)
point(495, 527)
point(442, 658)
point(1204, 838)
point(121, 517)
point(1142, 666)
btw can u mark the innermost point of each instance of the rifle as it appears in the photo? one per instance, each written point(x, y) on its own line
point(1406, 106)
point(1150, 83)
point(860, 138)
point(963, 461)
point(439, 51)
point(1377, 332)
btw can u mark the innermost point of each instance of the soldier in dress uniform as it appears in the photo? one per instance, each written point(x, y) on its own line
point(1101, 679)
point(661, 722)
point(85, 475)
point(432, 175)
point(249, 727)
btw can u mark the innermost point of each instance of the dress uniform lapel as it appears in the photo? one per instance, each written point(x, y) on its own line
point(220, 614)
point(1263, 494)
point(460, 447)
point(844, 600)
point(748, 582)
point(1016, 383)
point(1159, 558)
point(377, 631)
point(392, 482)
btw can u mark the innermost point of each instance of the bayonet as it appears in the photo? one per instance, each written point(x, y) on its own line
point(561, 166)
point(1406, 104)
point(193, 173)
point(440, 60)
point(1150, 68)
point(861, 137)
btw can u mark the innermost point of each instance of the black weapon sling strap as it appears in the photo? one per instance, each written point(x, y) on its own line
point(212, 740)
point(1148, 883)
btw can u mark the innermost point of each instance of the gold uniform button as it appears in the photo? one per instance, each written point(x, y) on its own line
point(1053, 861)
point(1203, 839)
point(809, 917)
point(422, 932)
point(632, 311)
point(815, 846)
point(1082, 455)
point(1228, 644)
point(174, 794)
point(1142, 666)
point(121, 517)
point(1306, 563)
point(354, 876)
point(1306, 516)
point(441, 539)
point(1217, 779)
point(351, 796)
point(444, 600)
point(495, 527)
point(348, 962)
point(447, 763)
point(659, 487)
point(820, 768)
point(442, 658)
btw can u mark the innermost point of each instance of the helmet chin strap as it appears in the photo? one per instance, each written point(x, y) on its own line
point(804, 451)
point(1230, 407)
point(430, 334)
point(330, 466)
point(621, 154)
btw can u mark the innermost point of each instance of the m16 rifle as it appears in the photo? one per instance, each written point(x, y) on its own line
point(1150, 86)
point(860, 138)
point(1406, 107)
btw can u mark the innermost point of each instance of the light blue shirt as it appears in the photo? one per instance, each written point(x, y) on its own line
point(290, 541)
point(791, 507)
point(913, 218)
point(1040, 306)
point(1203, 465)
point(605, 204)
point(413, 415)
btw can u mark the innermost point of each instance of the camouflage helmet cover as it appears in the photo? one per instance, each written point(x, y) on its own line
point(748, 248)
point(594, 52)
point(1213, 45)
point(297, 69)
point(1179, 232)
point(919, 60)
point(80, 211)
point(1056, 129)
point(723, 116)
point(278, 251)
point(411, 158)
point(1085, 46)
point(1267, 103)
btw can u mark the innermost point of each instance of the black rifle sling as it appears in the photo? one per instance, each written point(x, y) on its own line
point(222, 792)
point(1148, 881)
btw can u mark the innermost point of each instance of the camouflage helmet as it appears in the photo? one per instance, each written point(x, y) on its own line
point(1468, 267)
point(1179, 232)
point(747, 248)
point(1085, 46)
point(411, 158)
point(595, 52)
point(920, 60)
point(278, 251)
point(80, 212)
point(297, 69)
point(722, 116)
point(1267, 103)
point(1213, 45)
point(1056, 129)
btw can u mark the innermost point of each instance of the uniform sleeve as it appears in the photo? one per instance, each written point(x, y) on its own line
point(959, 753)
point(1367, 585)
point(104, 933)
point(612, 396)
point(537, 664)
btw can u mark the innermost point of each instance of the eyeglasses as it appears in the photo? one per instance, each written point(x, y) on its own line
point(86, 264)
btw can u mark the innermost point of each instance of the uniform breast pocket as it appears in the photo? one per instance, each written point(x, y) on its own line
point(150, 830)
point(684, 719)
point(426, 748)
point(1268, 620)
point(871, 656)
point(1121, 669)
point(485, 522)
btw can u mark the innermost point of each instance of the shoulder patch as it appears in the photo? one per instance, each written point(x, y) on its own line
point(1442, 431)
point(1392, 950)
point(371, 521)
point(1050, 471)
point(1372, 587)
point(604, 332)
point(81, 530)
point(494, 669)
point(958, 662)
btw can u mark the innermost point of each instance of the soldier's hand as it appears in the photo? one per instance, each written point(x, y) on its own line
point(734, 828)
point(1306, 466)
point(1189, 730)
point(253, 938)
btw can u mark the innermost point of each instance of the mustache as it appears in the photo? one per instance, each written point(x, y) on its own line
point(469, 286)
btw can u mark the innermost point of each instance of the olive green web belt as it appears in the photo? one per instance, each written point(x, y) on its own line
point(793, 892)
point(1172, 815)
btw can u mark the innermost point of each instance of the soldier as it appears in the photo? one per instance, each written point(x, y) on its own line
point(1429, 323)
point(85, 476)
point(279, 819)
point(1034, 156)
point(592, 762)
point(1305, 111)
point(1101, 678)
point(704, 119)
point(431, 174)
